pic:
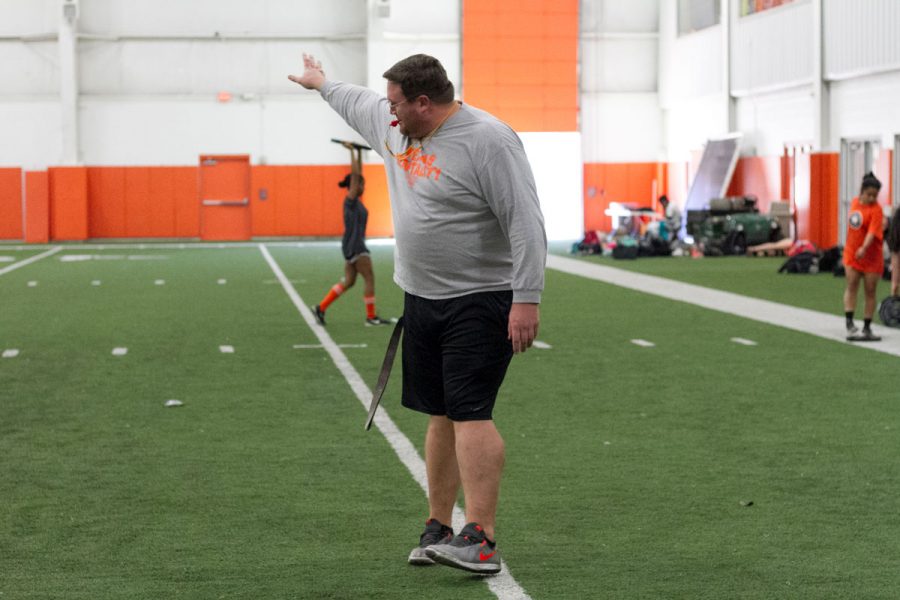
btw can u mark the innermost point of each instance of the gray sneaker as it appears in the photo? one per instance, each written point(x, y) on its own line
point(470, 551)
point(435, 533)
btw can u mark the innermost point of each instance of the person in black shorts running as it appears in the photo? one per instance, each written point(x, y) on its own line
point(356, 255)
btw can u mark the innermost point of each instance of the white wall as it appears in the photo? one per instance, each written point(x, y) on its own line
point(861, 37)
point(689, 124)
point(409, 31)
point(621, 127)
point(690, 65)
point(772, 49)
point(769, 121)
point(620, 114)
point(866, 106)
point(556, 161)
point(30, 130)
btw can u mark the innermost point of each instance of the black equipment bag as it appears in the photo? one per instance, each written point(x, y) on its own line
point(889, 311)
point(805, 262)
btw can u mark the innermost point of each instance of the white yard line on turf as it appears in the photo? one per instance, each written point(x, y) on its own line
point(503, 585)
point(824, 325)
point(28, 261)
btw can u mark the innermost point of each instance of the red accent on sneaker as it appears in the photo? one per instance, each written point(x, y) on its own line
point(478, 528)
point(483, 556)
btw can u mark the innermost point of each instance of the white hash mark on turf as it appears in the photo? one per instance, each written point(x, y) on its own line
point(32, 284)
point(11, 353)
point(643, 343)
point(743, 341)
point(502, 585)
point(222, 281)
point(226, 349)
point(95, 282)
point(119, 351)
point(542, 345)
point(160, 282)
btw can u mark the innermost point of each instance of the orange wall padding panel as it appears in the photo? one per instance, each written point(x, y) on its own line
point(758, 176)
point(619, 182)
point(11, 204)
point(306, 201)
point(143, 202)
point(820, 221)
point(520, 61)
point(68, 203)
point(37, 207)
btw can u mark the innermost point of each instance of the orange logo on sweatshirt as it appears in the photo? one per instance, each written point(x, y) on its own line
point(417, 165)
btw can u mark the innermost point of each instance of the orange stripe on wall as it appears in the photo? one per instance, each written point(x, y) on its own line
point(37, 207)
point(520, 61)
point(68, 203)
point(11, 204)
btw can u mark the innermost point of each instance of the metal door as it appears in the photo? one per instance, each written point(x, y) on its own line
point(224, 190)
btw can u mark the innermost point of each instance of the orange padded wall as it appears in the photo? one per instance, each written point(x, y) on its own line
point(820, 220)
point(143, 202)
point(11, 204)
point(37, 207)
point(68, 203)
point(306, 201)
point(619, 182)
point(520, 61)
point(758, 176)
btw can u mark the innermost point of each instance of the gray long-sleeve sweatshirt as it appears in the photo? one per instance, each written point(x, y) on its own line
point(465, 208)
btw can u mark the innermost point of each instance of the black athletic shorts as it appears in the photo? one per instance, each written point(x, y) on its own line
point(455, 354)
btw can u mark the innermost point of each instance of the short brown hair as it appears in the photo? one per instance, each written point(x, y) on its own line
point(422, 75)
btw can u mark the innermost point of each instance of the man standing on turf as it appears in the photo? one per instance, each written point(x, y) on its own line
point(470, 255)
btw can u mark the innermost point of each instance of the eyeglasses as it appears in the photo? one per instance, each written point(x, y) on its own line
point(394, 105)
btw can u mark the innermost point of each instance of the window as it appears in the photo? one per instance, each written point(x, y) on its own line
point(751, 7)
point(694, 15)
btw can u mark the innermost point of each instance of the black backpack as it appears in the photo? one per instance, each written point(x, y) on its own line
point(805, 262)
point(830, 259)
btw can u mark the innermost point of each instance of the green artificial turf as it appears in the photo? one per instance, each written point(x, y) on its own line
point(630, 471)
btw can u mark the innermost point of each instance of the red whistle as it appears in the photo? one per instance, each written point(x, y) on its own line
point(395, 122)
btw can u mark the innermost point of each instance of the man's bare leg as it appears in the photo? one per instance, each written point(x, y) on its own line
point(480, 453)
point(442, 469)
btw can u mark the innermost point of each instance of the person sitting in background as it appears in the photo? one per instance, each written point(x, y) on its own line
point(863, 256)
point(782, 246)
point(673, 218)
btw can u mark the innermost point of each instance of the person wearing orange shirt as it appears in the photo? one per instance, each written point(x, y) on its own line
point(863, 256)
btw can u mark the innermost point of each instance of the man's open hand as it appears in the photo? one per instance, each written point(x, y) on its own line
point(313, 76)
